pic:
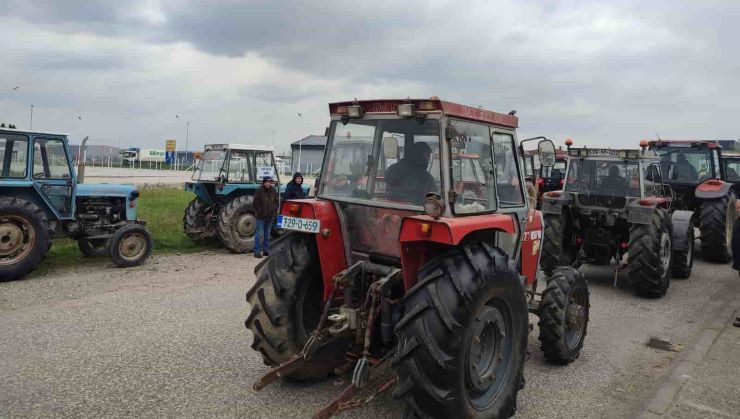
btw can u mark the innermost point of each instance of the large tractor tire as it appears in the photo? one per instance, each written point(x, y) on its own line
point(683, 260)
point(194, 221)
point(131, 245)
point(93, 248)
point(563, 313)
point(716, 221)
point(463, 338)
point(286, 305)
point(25, 238)
point(237, 224)
point(556, 249)
point(650, 255)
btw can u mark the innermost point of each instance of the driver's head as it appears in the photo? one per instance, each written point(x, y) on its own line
point(613, 171)
point(419, 154)
point(681, 158)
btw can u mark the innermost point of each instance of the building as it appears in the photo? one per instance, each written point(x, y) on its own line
point(307, 154)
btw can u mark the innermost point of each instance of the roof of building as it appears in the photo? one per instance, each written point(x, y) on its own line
point(311, 140)
point(233, 146)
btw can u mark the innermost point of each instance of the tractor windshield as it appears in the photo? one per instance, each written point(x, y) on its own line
point(604, 177)
point(555, 171)
point(732, 169)
point(382, 160)
point(685, 164)
point(210, 164)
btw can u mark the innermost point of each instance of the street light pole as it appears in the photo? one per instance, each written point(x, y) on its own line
point(187, 137)
point(30, 124)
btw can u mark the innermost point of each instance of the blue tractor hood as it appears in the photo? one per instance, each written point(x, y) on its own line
point(107, 189)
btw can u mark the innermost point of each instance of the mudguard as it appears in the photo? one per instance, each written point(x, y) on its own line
point(712, 189)
point(553, 202)
point(640, 214)
point(681, 221)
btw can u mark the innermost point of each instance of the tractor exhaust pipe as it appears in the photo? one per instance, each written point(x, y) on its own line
point(82, 154)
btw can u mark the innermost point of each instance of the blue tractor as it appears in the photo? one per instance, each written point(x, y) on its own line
point(224, 182)
point(42, 198)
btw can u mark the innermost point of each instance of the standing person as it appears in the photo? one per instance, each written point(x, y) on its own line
point(265, 209)
point(736, 259)
point(294, 188)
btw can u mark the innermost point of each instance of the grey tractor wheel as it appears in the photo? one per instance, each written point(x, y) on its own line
point(25, 238)
point(683, 260)
point(130, 245)
point(194, 221)
point(716, 221)
point(286, 303)
point(237, 224)
point(93, 248)
point(650, 255)
point(463, 338)
point(556, 250)
point(563, 313)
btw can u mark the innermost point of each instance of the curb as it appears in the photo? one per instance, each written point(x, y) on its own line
point(666, 393)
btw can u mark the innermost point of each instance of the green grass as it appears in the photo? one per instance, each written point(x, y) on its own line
point(162, 208)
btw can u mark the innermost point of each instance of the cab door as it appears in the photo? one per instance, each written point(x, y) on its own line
point(52, 175)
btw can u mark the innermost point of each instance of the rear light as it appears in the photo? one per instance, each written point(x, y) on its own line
point(540, 182)
point(294, 209)
point(407, 110)
point(427, 105)
point(341, 110)
point(426, 228)
point(354, 111)
point(132, 204)
point(433, 207)
point(623, 245)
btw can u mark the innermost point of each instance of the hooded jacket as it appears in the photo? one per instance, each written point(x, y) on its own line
point(293, 190)
point(265, 204)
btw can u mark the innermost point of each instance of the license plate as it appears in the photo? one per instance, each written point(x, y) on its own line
point(305, 225)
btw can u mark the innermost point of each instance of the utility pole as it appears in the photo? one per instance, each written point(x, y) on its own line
point(30, 125)
point(187, 137)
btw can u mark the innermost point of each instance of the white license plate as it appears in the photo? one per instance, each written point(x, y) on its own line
point(305, 225)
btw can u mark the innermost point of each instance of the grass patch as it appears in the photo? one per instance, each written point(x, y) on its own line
point(161, 207)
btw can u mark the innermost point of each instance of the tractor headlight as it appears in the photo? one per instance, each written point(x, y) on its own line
point(433, 206)
point(407, 110)
point(354, 111)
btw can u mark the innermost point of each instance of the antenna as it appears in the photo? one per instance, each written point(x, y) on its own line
point(658, 135)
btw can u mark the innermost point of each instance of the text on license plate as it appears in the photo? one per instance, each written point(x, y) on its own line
point(298, 224)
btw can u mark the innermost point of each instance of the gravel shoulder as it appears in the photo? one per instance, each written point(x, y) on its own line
point(167, 339)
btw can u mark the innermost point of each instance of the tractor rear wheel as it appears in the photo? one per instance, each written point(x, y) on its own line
point(93, 248)
point(650, 255)
point(463, 338)
point(130, 245)
point(555, 246)
point(717, 219)
point(25, 238)
point(286, 306)
point(237, 224)
point(683, 260)
point(564, 316)
point(194, 221)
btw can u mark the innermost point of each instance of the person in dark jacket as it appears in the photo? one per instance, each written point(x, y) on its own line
point(736, 258)
point(265, 207)
point(294, 188)
point(408, 180)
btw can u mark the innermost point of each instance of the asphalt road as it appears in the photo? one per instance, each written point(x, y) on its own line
point(167, 339)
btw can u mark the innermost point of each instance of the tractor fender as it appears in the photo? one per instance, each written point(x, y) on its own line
point(713, 189)
point(641, 213)
point(553, 202)
point(681, 221)
point(329, 241)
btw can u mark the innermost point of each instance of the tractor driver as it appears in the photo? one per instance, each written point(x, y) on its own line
point(684, 170)
point(408, 180)
point(614, 182)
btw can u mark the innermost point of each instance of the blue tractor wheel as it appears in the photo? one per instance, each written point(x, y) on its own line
point(24, 237)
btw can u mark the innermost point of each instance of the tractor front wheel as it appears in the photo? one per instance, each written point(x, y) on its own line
point(237, 224)
point(93, 248)
point(717, 219)
point(564, 316)
point(130, 245)
point(650, 255)
point(286, 306)
point(463, 338)
point(24, 237)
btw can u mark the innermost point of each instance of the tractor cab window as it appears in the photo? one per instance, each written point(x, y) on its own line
point(557, 170)
point(210, 164)
point(50, 159)
point(686, 164)
point(604, 177)
point(13, 156)
point(264, 166)
point(652, 181)
point(508, 187)
point(471, 167)
point(382, 160)
point(732, 169)
point(240, 166)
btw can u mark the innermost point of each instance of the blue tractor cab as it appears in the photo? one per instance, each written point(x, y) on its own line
point(41, 198)
point(224, 182)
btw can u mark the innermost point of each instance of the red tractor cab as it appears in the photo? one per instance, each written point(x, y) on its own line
point(420, 249)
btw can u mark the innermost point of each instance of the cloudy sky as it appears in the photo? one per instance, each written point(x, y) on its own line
point(607, 73)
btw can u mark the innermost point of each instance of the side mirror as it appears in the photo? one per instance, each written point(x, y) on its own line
point(390, 148)
point(546, 152)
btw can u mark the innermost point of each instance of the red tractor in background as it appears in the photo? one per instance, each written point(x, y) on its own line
point(390, 263)
point(694, 171)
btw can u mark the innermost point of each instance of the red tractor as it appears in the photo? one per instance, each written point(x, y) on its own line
point(391, 264)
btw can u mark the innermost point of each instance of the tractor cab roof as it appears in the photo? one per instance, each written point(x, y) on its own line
point(611, 154)
point(418, 107)
point(731, 155)
point(683, 143)
point(233, 146)
point(23, 131)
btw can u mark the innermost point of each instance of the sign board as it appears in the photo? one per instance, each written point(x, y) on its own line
point(265, 171)
point(170, 145)
point(151, 155)
point(169, 157)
